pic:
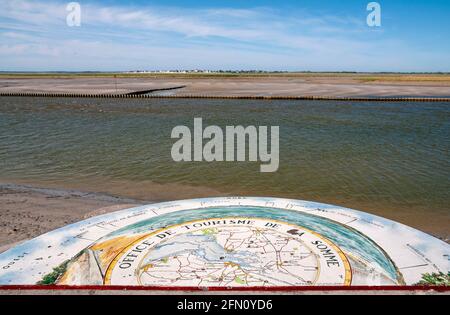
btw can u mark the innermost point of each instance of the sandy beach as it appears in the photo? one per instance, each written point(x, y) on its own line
point(29, 212)
point(237, 85)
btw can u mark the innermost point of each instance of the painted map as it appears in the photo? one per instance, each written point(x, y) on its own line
point(228, 242)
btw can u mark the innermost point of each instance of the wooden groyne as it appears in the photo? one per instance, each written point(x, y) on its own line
point(155, 90)
point(143, 95)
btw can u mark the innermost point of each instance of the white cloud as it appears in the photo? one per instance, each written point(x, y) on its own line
point(234, 24)
point(124, 37)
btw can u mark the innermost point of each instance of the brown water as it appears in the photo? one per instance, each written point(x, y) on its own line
point(391, 159)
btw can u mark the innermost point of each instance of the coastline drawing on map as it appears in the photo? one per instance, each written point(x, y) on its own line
point(228, 242)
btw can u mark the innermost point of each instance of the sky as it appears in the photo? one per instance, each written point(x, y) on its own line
point(292, 35)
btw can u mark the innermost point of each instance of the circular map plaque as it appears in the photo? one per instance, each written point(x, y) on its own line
point(231, 251)
point(228, 242)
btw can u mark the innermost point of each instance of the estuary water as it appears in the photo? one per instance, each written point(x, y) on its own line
point(390, 159)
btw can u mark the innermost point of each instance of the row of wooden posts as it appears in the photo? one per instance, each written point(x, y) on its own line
point(326, 98)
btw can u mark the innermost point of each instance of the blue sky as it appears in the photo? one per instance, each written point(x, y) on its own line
point(305, 35)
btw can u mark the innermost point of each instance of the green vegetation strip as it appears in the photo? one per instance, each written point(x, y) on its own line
point(433, 279)
point(53, 276)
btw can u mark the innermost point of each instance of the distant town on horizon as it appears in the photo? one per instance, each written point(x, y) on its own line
point(225, 71)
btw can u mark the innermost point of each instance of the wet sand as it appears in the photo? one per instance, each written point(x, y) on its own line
point(27, 212)
point(331, 86)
